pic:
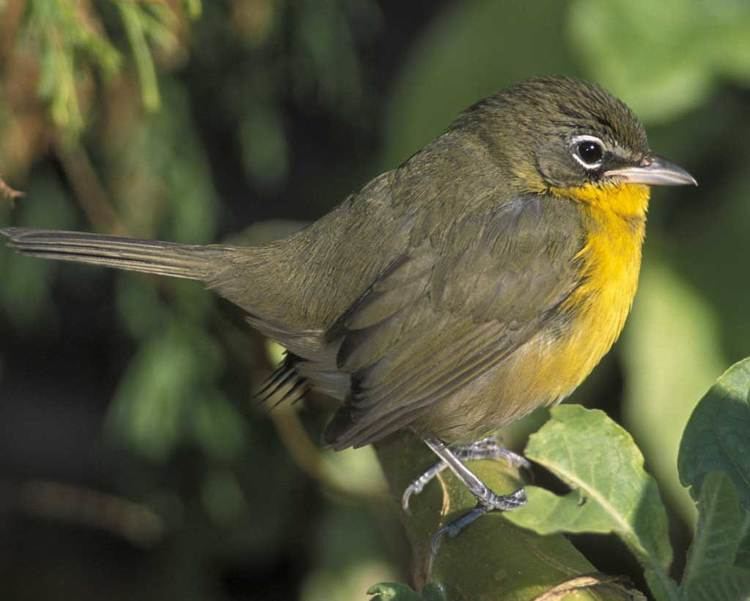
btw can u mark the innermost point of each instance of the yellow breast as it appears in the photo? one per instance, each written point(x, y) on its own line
point(610, 261)
point(555, 361)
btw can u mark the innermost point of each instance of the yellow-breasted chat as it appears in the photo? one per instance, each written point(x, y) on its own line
point(484, 277)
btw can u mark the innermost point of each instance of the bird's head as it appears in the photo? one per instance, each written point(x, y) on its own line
point(573, 139)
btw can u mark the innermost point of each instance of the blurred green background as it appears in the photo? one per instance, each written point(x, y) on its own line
point(133, 462)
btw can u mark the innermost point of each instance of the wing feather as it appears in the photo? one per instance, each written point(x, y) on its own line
point(452, 310)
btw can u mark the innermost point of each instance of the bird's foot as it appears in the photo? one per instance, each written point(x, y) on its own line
point(489, 501)
point(486, 448)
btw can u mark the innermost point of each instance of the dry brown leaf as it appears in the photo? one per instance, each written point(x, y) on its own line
point(592, 581)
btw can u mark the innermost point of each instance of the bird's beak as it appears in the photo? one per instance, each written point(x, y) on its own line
point(653, 171)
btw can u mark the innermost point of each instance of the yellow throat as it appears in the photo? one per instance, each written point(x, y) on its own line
point(610, 261)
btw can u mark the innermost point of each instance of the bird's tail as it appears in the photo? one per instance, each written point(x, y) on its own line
point(187, 261)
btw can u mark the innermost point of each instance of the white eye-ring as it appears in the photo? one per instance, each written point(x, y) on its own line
point(588, 151)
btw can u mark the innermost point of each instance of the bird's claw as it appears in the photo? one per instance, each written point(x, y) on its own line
point(418, 484)
point(486, 448)
point(488, 502)
point(495, 502)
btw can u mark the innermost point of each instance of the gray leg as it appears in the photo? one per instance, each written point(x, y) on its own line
point(487, 500)
point(478, 488)
point(486, 448)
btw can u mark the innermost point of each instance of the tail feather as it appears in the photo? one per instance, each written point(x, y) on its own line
point(187, 261)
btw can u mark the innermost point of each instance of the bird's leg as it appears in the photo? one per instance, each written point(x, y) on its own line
point(486, 448)
point(487, 500)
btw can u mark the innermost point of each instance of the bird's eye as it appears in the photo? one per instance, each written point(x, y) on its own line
point(588, 151)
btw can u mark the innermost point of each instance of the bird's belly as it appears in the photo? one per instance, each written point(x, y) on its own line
point(550, 365)
point(542, 372)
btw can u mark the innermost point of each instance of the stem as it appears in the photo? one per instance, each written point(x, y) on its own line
point(88, 189)
point(492, 559)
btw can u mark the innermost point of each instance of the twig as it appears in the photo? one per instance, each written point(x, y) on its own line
point(7, 192)
point(88, 189)
point(132, 521)
point(307, 456)
point(9, 24)
point(599, 582)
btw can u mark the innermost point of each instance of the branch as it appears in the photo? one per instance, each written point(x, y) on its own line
point(88, 188)
point(492, 559)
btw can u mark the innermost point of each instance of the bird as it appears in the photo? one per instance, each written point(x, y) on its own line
point(484, 277)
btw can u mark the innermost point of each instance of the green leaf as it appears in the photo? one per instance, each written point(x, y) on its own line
point(193, 8)
point(716, 437)
point(67, 45)
point(663, 58)
point(662, 587)
point(168, 396)
point(719, 530)
point(133, 21)
point(217, 426)
point(394, 591)
point(223, 498)
point(725, 584)
point(611, 491)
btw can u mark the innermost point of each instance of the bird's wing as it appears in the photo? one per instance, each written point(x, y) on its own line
point(458, 305)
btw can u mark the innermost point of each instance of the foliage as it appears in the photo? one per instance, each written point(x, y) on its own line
point(393, 591)
point(72, 43)
point(716, 435)
point(611, 492)
point(666, 56)
point(467, 566)
point(713, 463)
